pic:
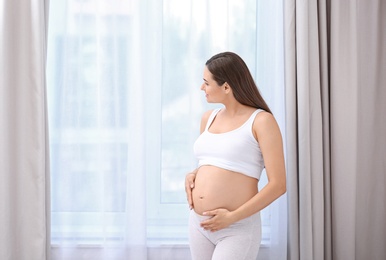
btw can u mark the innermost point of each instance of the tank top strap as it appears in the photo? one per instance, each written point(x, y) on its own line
point(251, 119)
point(211, 117)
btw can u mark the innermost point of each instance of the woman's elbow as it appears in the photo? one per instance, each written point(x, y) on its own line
point(281, 187)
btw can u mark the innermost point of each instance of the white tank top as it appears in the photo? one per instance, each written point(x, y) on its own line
point(236, 150)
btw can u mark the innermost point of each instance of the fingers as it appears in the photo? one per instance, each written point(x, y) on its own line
point(210, 221)
point(218, 220)
point(189, 197)
point(189, 185)
point(209, 225)
point(210, 213)
point(189, 181)
point(188, 191)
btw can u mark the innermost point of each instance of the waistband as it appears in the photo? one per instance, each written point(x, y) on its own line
point(201, 218)
point(198, 216)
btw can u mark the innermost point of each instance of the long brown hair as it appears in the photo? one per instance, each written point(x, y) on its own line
point(229, 67)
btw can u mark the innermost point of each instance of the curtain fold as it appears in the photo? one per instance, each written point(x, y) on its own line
point(306, 113)
point(24, 156)
point(358, 127)
point(335, 91)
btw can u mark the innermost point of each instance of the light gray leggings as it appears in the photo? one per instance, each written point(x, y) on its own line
point(240, 241)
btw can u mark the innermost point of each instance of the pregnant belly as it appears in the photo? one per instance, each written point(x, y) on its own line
point(219, 188)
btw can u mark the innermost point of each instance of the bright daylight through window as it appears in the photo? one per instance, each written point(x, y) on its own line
point(124, 107)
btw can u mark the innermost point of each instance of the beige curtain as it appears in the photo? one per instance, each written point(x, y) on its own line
point(24, 171)
point(336, 128)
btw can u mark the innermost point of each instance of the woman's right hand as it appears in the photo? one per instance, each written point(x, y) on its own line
point(189, 186)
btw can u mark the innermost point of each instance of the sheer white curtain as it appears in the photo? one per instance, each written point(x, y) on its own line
point(125, 104)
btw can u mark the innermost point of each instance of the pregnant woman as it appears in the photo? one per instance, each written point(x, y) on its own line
point(236, 143)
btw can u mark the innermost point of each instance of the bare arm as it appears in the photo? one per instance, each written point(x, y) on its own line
point(269, 137)
point(268, 134)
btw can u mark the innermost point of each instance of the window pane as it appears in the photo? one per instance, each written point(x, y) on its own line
point(94, 75)
point(190, 36)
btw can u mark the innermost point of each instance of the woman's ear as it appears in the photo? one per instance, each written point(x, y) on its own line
point(227, 88)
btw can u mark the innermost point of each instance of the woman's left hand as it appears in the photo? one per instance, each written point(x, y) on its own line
point(221, 218)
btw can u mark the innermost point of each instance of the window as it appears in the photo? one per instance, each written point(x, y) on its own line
point(125, 103)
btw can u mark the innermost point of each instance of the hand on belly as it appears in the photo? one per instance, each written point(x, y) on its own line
point(219, 219)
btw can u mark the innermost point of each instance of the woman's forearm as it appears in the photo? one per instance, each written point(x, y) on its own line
point(270, 192)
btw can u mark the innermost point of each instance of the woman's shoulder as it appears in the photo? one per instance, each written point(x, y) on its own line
point(264, 122)
point(204, 119)
point(208, 113)
point(263, 115)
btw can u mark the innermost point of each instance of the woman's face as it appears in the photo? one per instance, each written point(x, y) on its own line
point(213, 92)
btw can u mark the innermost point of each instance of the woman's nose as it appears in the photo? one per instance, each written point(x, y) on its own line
point(203, 87)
